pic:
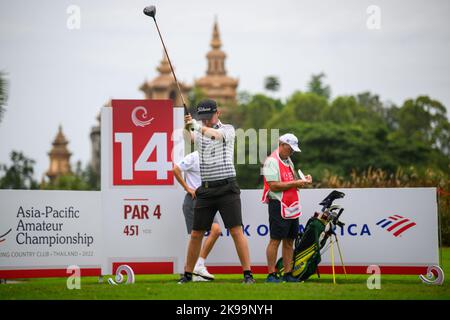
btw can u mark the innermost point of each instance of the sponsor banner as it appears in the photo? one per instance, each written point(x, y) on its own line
point(412, 240)
point(44, 232)
point(395, 227)
point(149, 228)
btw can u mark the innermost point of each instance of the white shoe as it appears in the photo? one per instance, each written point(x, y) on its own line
point(199, 279)
point(202, 272)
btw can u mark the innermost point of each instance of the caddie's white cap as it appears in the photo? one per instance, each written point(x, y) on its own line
point(291, 140)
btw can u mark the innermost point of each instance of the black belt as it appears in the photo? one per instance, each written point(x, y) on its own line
point(217, 183)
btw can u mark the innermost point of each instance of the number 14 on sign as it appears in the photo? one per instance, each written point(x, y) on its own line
point(158, 141)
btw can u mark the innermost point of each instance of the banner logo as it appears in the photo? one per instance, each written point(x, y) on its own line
point(396, 224)
point(119, 276)
point(435, 275)
point(4, 235)
point(136, 121)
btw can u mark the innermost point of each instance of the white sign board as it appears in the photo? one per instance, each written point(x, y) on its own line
point(396, 229)
point(143, 224)
point(42, 233)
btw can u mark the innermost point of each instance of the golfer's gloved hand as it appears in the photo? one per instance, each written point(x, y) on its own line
point(196, 125)
point(188, 121)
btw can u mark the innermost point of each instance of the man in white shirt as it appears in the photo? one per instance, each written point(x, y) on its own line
point(190, 166)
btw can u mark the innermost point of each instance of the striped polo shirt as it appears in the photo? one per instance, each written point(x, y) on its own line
point(216, 156)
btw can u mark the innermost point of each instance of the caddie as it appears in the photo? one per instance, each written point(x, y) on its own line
point(281, 195)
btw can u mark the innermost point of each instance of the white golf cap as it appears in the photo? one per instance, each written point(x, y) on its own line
point(291, 140)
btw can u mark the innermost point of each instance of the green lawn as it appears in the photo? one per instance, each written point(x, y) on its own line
point(229, 287)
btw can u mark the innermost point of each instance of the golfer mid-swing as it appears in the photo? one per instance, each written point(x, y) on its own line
point(219, 190)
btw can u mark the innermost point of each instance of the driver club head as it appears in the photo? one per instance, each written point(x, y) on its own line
point(150, 11)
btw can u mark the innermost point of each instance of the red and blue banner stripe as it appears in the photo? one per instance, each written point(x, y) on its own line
point(396, 224)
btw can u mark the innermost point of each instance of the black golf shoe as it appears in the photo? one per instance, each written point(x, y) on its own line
point(248, 280)
point(288, 277)
point(184, 280)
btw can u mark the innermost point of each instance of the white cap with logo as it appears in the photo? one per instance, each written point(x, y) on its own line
point(291, 140)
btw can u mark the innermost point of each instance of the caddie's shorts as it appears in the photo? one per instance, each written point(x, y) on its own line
point(281, 228)
point(188, 211)
point(224, 198)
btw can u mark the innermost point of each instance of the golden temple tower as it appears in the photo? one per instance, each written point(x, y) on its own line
point(59, 157)
point(216, 84)
point(164, 85)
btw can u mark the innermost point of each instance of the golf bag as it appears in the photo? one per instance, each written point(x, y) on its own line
point(308, 244)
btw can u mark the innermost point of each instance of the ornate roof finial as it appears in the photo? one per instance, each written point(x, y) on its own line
point(164, 67)
point(215, 41)
point(60, 139)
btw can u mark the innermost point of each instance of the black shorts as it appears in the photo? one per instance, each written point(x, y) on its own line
point(281, 228)
point(226, 199)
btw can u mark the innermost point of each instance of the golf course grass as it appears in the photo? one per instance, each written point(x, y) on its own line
point(225, 287)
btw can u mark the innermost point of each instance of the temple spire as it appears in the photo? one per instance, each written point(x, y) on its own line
point(59, 157)
point(215, 41)
point(163, 86)
point(216, 84)
point(164, 67)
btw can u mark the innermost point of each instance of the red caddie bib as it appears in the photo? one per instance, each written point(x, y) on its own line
point(290, 201)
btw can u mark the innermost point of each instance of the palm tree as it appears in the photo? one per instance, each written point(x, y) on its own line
point(272, 83)
point(317, 86)
point(3, 96)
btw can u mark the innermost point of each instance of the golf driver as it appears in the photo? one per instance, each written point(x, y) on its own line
point(151, 12)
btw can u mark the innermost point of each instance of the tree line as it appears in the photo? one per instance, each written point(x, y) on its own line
point(349, 134)
point(341, 136)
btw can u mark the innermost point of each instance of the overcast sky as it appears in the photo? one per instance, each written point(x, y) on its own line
point(62, 76)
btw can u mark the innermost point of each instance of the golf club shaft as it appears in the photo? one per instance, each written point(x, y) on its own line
point(171, 68)
point(332, 261)
point(340, 255)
